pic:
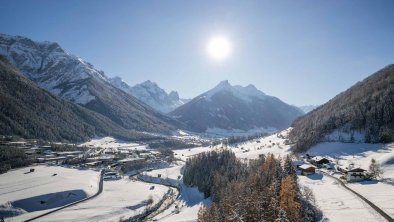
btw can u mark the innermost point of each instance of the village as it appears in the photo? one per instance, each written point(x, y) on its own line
point(126, 166)
point(312, 164)
point(126, 159)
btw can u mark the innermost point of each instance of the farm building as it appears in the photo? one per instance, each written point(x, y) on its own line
point(319, 161)
point(355, 175)
point(307, 169)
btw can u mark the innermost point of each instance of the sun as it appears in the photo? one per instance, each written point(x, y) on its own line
point(218, 48)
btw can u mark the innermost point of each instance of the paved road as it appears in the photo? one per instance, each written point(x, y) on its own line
point(376, 208)
point(99, 191)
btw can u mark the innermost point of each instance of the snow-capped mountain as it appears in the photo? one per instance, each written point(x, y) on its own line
point(151, 94)
point(76, 80)
point(227, 107)
point(32, 112)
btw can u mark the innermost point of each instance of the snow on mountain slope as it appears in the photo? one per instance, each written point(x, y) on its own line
point(151, 94)
point(244, 93)
point(75, 80)
point(236, 108)
point(47, 64)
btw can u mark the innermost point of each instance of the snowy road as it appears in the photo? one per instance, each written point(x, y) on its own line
point(376, 208)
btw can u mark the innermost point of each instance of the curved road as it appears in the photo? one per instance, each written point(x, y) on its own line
point(376, 208)
point(100, 190)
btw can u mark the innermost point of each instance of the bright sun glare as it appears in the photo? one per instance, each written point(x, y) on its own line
point(218, 48)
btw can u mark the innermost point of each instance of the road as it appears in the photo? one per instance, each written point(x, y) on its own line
point(376, 208)
point(99, 191)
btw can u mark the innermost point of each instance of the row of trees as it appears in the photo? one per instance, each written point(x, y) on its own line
point(12, 157)
point(258, 190)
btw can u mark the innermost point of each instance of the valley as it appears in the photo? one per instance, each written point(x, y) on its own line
point(208, 111)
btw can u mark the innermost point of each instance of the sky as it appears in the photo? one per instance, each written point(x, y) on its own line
point(303, 52)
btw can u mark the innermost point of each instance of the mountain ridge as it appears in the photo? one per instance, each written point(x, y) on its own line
point(32, 112)
point(151, 94)
point(77, 81)
point(235, 107)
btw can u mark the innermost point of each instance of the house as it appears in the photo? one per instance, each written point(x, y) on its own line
point(319, 161)
point(307, 169)
point(355, 175)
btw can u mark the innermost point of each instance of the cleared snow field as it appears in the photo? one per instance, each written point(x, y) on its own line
point(337, 203)
point(120, 198)
point(30, 194)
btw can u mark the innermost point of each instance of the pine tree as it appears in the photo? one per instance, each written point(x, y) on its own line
point(282, 217)
point(374, 169)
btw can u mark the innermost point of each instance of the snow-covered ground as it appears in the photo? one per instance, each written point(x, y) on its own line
point(189, 201)
point(221, 133)
point(337, 203)
point(380, 192)
point(120, 198)
point(31, 194)
point(112, 143)
point(274, 144)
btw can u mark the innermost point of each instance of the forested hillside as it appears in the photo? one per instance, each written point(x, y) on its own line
point(77, 81)
point(260, 190)
point(31, 112)
point(367, 107)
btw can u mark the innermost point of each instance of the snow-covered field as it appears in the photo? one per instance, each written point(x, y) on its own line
point(31, 194)
point(112, 143)
point(250, 150)
point(273, 144)
point(337, 203)
point(380, 192)
point(120, 198)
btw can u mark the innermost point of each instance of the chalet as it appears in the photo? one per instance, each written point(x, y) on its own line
point(355, 175)
point(307, 169)
point(319, 161)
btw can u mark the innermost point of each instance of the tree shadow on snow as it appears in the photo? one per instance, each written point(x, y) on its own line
point(316, 176)
point(191, 196)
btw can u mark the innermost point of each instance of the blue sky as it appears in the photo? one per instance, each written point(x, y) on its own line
point(304, 52)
